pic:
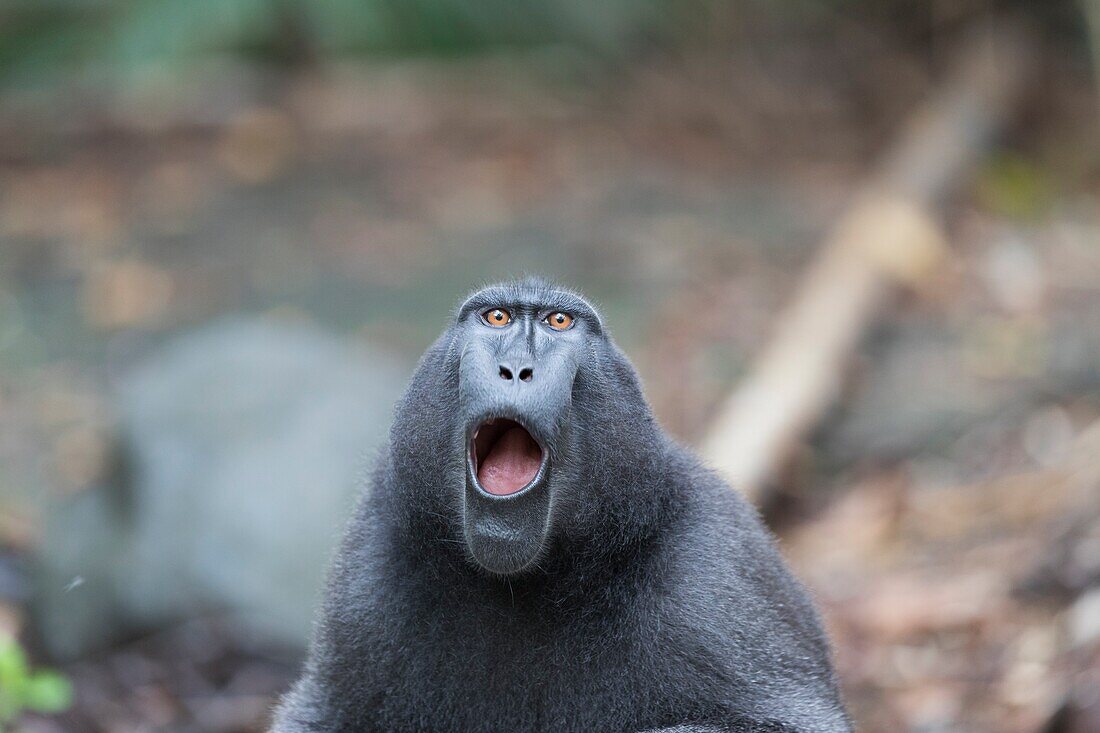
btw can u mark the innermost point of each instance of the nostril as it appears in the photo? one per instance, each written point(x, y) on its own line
point(506, 373)
point(526, 374)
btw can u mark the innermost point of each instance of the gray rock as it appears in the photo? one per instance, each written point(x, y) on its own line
point(242, 450)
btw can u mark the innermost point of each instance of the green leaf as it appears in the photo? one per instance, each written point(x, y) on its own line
point(47, 692)
point(43, 692)
point(13, 666)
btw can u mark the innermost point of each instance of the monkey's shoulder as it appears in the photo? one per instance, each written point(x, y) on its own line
point(722, 566)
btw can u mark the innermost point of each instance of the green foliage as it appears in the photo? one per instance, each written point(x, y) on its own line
point(22, 689)
point(38, 36)
point(40, 39)
point(1015, 187)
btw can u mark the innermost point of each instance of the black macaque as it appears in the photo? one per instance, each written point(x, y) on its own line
point(534, 553)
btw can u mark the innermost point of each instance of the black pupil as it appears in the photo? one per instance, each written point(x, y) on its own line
point(560, 318)
point(498, 316)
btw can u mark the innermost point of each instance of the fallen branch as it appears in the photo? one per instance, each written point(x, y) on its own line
point(889, 236)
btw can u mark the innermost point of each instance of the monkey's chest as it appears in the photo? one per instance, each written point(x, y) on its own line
point(517, 673)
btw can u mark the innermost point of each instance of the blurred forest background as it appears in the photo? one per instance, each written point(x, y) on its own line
point(229, 227)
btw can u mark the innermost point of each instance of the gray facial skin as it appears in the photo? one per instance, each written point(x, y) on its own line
point(595, 578)
point(523, 371)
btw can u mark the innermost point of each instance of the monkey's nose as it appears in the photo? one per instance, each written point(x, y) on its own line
point(526, 374)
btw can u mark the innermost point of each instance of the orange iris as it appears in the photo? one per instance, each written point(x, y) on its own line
point(559, 321)
point(497, 317)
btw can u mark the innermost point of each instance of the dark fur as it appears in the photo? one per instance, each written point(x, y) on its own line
point(658, 600)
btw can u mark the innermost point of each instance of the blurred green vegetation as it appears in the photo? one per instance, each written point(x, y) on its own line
point(1015, 187)
point(41, 38)
point(25, 690)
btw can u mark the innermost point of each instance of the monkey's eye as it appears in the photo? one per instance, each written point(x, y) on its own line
point(559, 321)
point(497, 317)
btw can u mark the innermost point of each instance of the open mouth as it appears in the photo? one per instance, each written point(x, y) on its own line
point(506, 459)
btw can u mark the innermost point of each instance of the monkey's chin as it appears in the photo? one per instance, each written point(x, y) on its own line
point(505, 535)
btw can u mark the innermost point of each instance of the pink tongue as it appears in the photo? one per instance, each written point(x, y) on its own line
point(512, 463)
